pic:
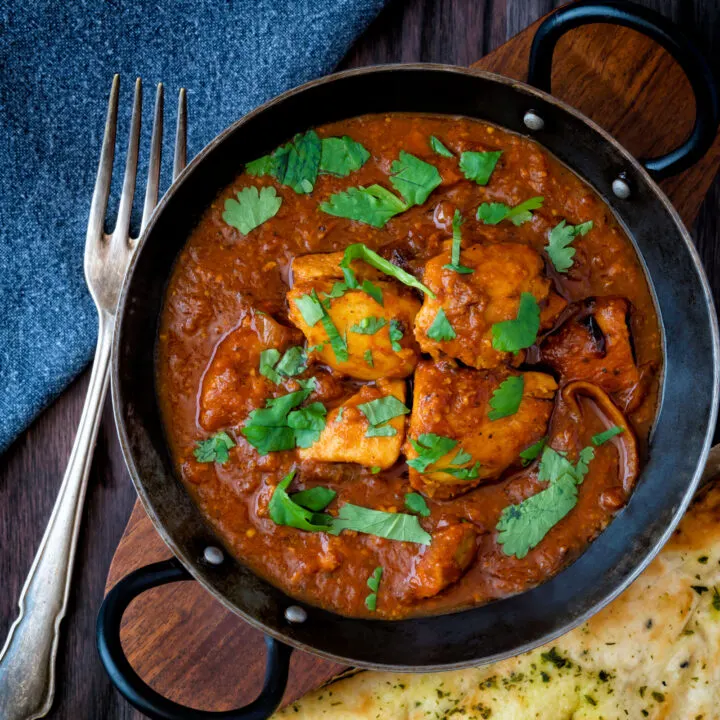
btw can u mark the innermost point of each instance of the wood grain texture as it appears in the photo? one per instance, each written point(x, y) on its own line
point(451, 31)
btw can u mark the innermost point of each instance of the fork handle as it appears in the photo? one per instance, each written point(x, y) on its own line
point(27, 662)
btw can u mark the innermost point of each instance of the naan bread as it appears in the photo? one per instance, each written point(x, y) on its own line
point(653, 653)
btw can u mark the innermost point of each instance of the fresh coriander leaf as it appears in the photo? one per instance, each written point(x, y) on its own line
point(252, 208)
point(521, 527)
point(268, 360)
point(439, 148)
point(462, 457)
point(506, 399)
point(529, 454)
point(293, 362)
point(430, 448)
point(493, 213)
point(454, 264)
point(414, 178)
point(310, 308)
point(315, 499)
point(381, 431)
point(608, 434)
point(337, 343)
point(558, 247)
point(373, 583)
point(316, 348)
point(396, 335)
point(441, 329)
point(283, 511)
point(214, 449)
point(260, 167)
point(308, 424)
point(360, 251)
point(479, 166)
point(415, 502)
point(297, 163)
point(383, 409)
point(367, 355)
point(514, 335)
point(373, 291)
point(392, 526)
point(373, 205)
point(339, 415)
point(310, 384)
point(341, 156)
point(462, 473)
point(269, 439)
point(582, 465)
point(338, 290)
point(554, 465)
point(371, 602)
point(375, 469)
point(368, 325)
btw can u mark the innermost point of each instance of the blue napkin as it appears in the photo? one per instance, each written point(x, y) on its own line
point(57, 61)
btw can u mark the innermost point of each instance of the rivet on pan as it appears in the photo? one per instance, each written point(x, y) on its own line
point(213, 555)
point(295, 614)
point(620, 187)
point(533, 121)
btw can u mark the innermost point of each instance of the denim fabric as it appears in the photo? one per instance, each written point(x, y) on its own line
point(57, 60)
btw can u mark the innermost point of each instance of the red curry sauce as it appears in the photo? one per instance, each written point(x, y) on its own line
point(223, 276)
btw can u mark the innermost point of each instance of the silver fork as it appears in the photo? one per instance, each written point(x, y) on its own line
point(27, 662)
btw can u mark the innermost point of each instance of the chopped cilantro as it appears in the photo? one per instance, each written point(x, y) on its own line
point(415, 502)
point(310, 308)
point(367, 355)
point(381, 431)
point(268, 360)
point(337, 343)
point(529, 454)
point(558, 247)
point(373, 205)
point(284, 511)
point(430, 448)
point(506, 399)
point(414, 178)
point(454, 263)
point(214, 449)
point(373, 291)
point(514, 335)
point(554, 657)
point(375, 469)
point(608, 434)
point(439, 148)
point(441, 329)
point(467, 473)
point(338, 290)
point(383, 409)
point(392, 526)
point(341, 156)
point(373, 583)
point(252, 208)
point(396, 334)
point(493, 213)
point(479, 166)
point(274, 367)
point(368, 325)
point(308, 423)
point(315, 499)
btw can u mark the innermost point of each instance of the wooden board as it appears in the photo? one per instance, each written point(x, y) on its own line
point(182, 641)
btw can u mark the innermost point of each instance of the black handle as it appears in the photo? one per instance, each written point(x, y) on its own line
point(141, 695)
point(664, 32)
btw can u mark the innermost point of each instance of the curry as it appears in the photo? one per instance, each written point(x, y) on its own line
point(408, 364)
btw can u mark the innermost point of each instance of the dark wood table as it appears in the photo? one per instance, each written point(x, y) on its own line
point(449, 31)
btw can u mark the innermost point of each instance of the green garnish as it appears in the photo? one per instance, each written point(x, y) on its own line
point(529, 454)
point(373, 205)
point(558, 247)
point(439, 148)
point(310, 308)
point(367, 355)
point(274, 367)
point(479, 166)
point(514, 335)
point(415, 502)
point(383, 409)
point(338, 290)
point(375, 469)
point(368, 325)
point(454, 264)
point(341, 156)
point(284, 511)
point(339, 415)
point(382, 431)
point(373, 291)
point(521, 527)
point(308, 424)
point(373, 582)
point(430, 448)
point(396, 335)
point(315, 499)
point(414, 178)
point(337, 342)
point(268, 360)
point(441, 329)
point(392, 526)
point(506, 399)
point(214, 449)
point(316, 348)
point(468, 473)
point(252, 208)
point(493, 213)
point(608, 434)
point(360, 251)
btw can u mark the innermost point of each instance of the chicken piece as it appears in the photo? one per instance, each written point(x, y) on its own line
point(369, 328)
point(444, 561)
point(344, 437)
point(595, 345)
point(474, 302)
point(454, 403)
point(232, 385)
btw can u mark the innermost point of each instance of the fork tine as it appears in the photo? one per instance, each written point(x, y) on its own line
point(101, 193)
point(126, 199)
point(180, 135)
point(153, 182)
